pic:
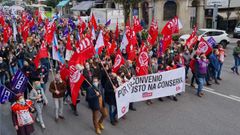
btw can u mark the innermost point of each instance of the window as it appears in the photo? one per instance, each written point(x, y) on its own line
point(170, 10)
point(217, 33)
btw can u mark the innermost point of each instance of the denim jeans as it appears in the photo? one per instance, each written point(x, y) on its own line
point(112, 112)
point(58, 107)
point(13, 70)
point(2, 79)
point(236, 63)
point(201, 83)
point(20, 63)
point(220, 70)
point(38, 107)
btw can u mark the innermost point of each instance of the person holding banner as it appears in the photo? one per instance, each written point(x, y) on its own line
point(21, 116)
point(200, 69)
point(110, 87)
point(95, 98)
point(38, 97)
point(58, 88)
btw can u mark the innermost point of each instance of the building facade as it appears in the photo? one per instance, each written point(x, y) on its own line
point(164, 10)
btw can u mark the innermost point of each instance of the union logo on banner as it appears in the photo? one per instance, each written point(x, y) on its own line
point(178, 88)
point(143, 59)
point(123, 109)
point(74, 74)
point(147, 94)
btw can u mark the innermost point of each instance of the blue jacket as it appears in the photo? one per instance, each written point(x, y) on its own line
point(214, 62)
point(93, 99)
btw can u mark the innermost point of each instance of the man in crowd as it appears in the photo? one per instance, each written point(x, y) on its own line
point(58, 88)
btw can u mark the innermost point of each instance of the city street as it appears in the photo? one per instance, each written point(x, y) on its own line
point(216, 113)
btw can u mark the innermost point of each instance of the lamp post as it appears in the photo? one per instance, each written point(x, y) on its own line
point(228, 14)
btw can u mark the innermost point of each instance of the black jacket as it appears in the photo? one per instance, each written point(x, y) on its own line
point(109, 91)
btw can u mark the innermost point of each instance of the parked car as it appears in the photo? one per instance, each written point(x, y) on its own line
point(220, 36)
point(236, 33)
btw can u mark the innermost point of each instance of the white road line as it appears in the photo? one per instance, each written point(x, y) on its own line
point(210, 90)
point(235, 97)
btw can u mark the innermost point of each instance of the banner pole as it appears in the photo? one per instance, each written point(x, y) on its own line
point(54, 81)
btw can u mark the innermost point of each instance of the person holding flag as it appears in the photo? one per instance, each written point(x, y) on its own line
point(95, 98)
point(21, 115)
point(58, 88)
point(39, 98)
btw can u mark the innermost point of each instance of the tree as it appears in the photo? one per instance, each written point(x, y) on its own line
point(52, 3)
point(127, 7)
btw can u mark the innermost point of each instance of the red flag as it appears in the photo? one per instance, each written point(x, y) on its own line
point(50, 29)
point(131, 36)
point(166, 40)
point(93, 22)
point(204, 47)
point(192, 39)
point(64, 72)
point(118, 62)
point(81, 26)
point(25, 32)
point(42, 53)
point(76, 80)
point(2, 21)
point(136, 24)
point(117, 32)
point(111, 47)
point(84, 51)
point(172, 26)
point(7, 32)
point(131, 52)
point(153, 32)
point(68, 45)
point(142, 63)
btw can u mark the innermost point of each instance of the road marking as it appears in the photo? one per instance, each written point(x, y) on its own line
point(235, 97)
point(210, 90)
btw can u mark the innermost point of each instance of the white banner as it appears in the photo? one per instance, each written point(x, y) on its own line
point(149, 87)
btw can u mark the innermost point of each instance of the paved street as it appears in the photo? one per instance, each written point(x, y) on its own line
point(217, 113)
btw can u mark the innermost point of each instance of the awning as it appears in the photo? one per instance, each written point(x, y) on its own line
point(62, 3)
point(83, 6)
point(233, 15)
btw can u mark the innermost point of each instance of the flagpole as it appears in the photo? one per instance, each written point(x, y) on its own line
point(52, 73)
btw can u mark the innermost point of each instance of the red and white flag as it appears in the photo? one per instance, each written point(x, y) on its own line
point(142, 63)
point(136, 25)
point(153, 32)
point(166, 41)
point(172, 26)
point(42, 53)
point(192, 40)
point(204, 47)
point(93, 22)
point(7, 32)
point(118, 62)
point(76, 80)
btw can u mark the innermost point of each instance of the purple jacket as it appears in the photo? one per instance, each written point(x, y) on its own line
point(201, 68)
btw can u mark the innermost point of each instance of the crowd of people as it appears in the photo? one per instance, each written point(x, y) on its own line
point(100, 82)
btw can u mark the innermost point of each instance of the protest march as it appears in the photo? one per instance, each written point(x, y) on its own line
point(112, 69)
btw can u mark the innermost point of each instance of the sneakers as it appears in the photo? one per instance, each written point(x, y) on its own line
point(61, 117)
point(37, 119)
point(43, 126)
point(98, 131)
point(219, 78)
point(217, 82)
point(232, 69)
point(101, 126)
point(75, 113)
